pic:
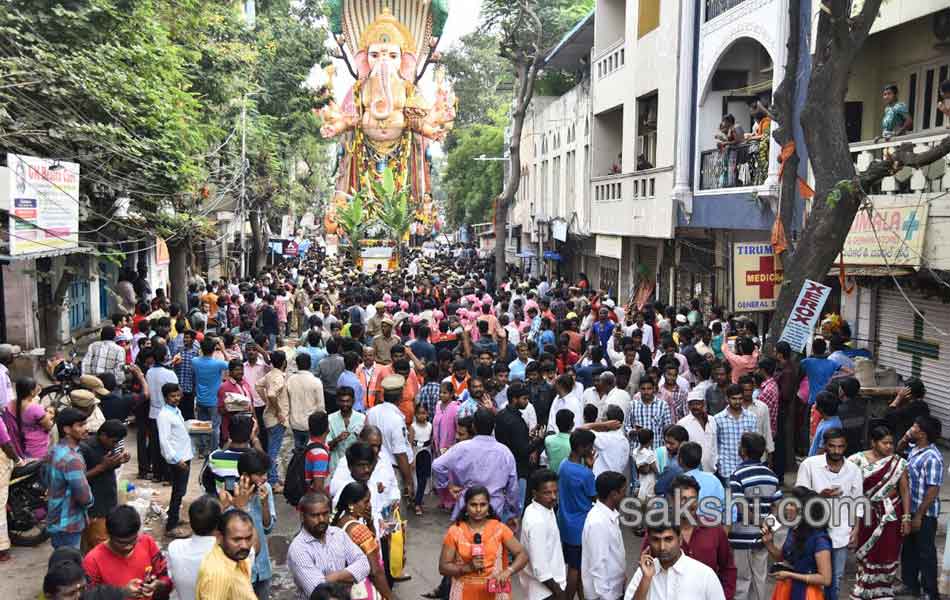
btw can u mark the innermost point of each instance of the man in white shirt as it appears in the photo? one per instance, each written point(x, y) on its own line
point(564, 387)
point(546, 574)
point(371, 466)
point(185, 556)
point(603, 558)
point(666, 573)
point(305, 395)
point(392, 423)
point(832, 476)
point(701, 429)
point(604, 393)
point(612, 446)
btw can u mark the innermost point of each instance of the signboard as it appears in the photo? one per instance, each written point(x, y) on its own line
point(559, 230)
point(756, 276)
point(43, 199)
point(290, 248)
point(608, 245)
point(899, 239)
point(805, 313)
point(161, 252)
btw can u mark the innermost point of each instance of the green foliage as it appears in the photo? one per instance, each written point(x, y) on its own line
point(471, 184)
point(352, 220)
point(481, 78)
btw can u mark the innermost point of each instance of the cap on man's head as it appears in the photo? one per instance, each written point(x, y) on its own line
point(93, 384)
point(82, 399)
point(393, 382)
point(696, 396)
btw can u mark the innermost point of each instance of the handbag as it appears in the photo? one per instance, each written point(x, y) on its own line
point(502, 592)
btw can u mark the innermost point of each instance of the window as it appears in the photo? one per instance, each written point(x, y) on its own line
point(647, 107)
point(649, 17)
point(921, 91)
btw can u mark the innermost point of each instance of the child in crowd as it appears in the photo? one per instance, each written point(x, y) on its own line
point(645, 460)
point(422, 436)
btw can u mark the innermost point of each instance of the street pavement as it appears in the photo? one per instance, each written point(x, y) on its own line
point(21, 578)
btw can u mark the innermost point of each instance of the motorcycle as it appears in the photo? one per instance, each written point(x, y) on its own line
point(26, 506)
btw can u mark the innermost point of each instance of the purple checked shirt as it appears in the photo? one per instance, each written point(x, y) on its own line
point(480, 461)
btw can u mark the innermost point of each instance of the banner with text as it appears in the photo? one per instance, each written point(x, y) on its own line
point(893, 235)
point(757, 276)
point(43, 201)
point(805, 313)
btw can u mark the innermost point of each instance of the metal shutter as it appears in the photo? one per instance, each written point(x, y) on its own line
point(901, 336)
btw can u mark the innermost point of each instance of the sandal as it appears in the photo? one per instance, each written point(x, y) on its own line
point(5, 556)
point(177, 533)
point(433, 595)
point(418, 511)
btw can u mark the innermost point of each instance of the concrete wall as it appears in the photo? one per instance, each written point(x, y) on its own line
point(19, 300)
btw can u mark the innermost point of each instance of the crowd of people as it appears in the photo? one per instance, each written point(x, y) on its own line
point(541, 417)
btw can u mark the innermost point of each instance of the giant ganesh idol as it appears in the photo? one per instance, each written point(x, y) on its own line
point(383, 121)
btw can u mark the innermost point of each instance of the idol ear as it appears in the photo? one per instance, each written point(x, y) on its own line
point(407, 68)
point(362, 64)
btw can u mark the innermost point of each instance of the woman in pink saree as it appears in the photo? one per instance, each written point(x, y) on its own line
point(444, 424)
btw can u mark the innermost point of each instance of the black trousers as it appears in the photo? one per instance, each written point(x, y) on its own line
point(329, 399)
point(384, 544)
point(158, 464)
point(179, 478)
point(919, 558)
point(187, 406)
point(140, 410)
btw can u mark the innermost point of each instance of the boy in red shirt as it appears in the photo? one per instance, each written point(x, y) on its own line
point(128, 559)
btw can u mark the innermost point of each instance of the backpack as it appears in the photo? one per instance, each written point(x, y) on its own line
point(295, 482)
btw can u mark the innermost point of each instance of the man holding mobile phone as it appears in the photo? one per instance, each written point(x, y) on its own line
point(103, 455)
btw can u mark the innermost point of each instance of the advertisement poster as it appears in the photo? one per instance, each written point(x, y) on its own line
point(757, 276)
point(811, 299)
point(43, 200)
point(889, 236)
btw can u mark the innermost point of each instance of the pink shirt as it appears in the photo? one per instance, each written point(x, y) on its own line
point(35, 438)
point(280, 303)
point(251, 374)
point(444, 426)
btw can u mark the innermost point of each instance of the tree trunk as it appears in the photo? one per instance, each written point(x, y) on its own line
point(526, 74)
point(840, 39)
point(258, 247)
point(179, 250)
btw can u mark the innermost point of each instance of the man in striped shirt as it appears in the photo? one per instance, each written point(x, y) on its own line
point(925, 470)
point(321, 553)
point(755, 484)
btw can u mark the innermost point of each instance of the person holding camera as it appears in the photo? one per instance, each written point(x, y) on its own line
point(103, 455)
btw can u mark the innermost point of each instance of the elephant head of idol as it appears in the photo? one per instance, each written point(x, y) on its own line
point(385, 64)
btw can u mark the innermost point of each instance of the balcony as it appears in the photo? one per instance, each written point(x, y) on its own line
point(744, 168)
point(714, 8)
point(637, 204)
point(932, 178)
point(608, 74)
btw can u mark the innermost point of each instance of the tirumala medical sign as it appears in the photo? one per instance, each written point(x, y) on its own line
point(757, 276)
point(805, 313)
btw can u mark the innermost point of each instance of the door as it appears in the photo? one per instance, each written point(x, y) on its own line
point(79, 316)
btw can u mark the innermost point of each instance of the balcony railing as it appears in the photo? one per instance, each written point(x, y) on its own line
point(610, 59)
point(931, 178)
point(714, 8)
point(740, 166)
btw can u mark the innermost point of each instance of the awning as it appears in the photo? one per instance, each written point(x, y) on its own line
point(575, 46)
point(525, 254)
point(6, 258)
point(552, 255)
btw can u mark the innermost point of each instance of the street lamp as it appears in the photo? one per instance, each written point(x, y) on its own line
point(483, 157)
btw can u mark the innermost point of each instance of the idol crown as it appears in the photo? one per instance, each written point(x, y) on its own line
point(387, 29)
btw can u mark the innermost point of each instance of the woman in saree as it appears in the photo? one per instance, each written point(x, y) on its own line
point(354, 517)
point(475, 552)
point(444, 424)
point(878, 540)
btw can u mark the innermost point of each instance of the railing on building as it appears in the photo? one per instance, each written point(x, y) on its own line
point(741, 166)
point(934, 177)
point(613, 58)
point(714, 8)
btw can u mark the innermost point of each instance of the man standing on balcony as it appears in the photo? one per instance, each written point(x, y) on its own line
point(897, 119)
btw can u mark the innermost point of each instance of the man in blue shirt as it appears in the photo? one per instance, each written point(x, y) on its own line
point(925, 470)
point(827, 406)
point(348, 378)
point(712, 496)
point(602, 329)
point(576, 491)
point(818, 369)
point(209, 372)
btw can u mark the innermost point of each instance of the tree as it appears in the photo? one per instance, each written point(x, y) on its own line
point(394, 212)
point(839, 189)
point(352, 220)
point(526, 30)
point(471, 184)
point(480, 77)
